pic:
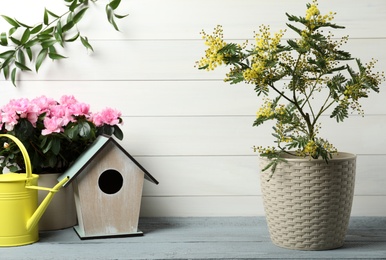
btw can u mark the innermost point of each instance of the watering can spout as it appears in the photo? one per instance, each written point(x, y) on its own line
point(34, 219)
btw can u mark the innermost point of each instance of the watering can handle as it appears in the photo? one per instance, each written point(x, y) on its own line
point(24, 152)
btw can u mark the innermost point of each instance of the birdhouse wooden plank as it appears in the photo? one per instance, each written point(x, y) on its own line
point(107, 184)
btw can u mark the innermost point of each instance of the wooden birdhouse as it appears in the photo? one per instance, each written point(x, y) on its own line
point(107, 184)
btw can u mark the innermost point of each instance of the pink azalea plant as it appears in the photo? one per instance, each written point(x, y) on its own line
point(54, 132)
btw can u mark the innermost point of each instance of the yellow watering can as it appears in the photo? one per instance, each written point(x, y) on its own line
point(19, 212)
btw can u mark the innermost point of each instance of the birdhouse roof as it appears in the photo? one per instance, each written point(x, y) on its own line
point(87, 156)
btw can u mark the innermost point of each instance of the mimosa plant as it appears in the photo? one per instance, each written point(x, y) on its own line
point(309, 76)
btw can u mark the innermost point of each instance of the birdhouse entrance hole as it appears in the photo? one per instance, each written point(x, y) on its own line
point(110, 181)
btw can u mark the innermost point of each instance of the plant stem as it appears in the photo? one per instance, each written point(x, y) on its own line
point(281, 94)
point(305, 116)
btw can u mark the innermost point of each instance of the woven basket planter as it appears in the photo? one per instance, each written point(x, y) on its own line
point(308, 202)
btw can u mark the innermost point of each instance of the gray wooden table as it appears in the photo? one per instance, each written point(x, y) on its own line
point(201, 238)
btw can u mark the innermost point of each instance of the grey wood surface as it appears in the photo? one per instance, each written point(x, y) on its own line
point(200, 238)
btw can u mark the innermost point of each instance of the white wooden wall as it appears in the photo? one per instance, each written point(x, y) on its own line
point(188, 128)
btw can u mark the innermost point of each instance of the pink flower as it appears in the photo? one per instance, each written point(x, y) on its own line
point(52, 125)
point(69, 108)
point(79, 109)
point(68, 100)
point(44, 103)
point(9, 120)
point(107, 116)
point(61, 111)
point(57, 114)
point(19, 108)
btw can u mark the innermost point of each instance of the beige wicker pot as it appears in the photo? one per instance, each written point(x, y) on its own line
point(308, 202)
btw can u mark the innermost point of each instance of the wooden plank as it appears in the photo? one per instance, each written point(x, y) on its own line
point(237, 176)
point(370, 175)
point(242, 18)
point(209, 206)
point(182, 19)
point(198, 206)
point(156, 60)
point(207, 136)
point(162, 98)
point(203, 175)
point(147, 98)
point(202, 238)
point(369, 206)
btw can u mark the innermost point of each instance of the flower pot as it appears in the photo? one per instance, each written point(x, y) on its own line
point(308, 202)
point(61, 213)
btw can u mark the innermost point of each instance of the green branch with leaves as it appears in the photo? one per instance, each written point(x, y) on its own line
point(35, 43)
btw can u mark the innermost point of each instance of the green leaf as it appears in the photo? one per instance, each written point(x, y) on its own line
point(7, 54)
point(24, 129)
point(114, 4)
point(47, 31)
point(52, 161)
point(11, 21)
point(21, 56)
point(114, 24)
point(37, 29)
point(12, 30)
point(13, 77)
point(56, 56)
point(48, 43)
point(52, 49)
point(31, 43)
point(21, 66)
point(15, 41)
point(79, 15)
point(70, 17)
point(204, 67)
point(339, 113)
point(74, 5)
point(55, 147)
point(6, 72)
point(110, 17)
point(43, 139)
point(85, 43)
point(3, 39)
point(52, 14)
point(45, 17)
point(297, 30)
point(106, 130)
point(68, 26)
point(41, 56)
point(59, 39)
point(25, 36)
point(84, 129)
point(72, 131)
point(13, 168)
point(120, 16)
point(74, 38)
point(29, 53)
point(44, 36)
point(7, 62)
point(59, 29)
point(23, 24)
point(118, 132)
point(48, 146)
